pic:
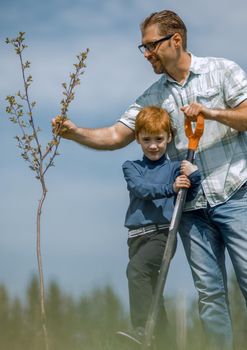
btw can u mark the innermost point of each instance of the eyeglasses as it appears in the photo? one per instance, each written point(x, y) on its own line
point(152, 46)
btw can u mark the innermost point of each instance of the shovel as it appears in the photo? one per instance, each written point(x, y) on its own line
point(193, 138)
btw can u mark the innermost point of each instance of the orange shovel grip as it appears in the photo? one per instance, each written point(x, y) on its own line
point(194, 137)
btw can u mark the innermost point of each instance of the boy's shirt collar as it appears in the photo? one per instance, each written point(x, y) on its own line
point(161, 160)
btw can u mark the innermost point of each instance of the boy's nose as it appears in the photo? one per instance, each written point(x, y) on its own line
point(153, 145)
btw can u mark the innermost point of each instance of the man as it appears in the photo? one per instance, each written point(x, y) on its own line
point(217, 88)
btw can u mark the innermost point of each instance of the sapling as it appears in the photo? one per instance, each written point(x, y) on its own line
point(39, 158)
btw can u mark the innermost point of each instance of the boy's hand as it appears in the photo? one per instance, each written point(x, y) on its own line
point(65, 130)
point(187, 168)
point(181, 181)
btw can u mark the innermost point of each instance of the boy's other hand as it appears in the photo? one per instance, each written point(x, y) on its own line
point(187, 168)
point(181, 181)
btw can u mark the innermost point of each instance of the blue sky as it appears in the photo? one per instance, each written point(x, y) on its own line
point(83, 238)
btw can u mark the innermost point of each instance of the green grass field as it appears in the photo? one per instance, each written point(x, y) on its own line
point(91, 321)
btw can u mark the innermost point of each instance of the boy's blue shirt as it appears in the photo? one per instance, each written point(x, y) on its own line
point(150, 186)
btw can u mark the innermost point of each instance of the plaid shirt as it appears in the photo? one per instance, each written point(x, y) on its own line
point(222, 153)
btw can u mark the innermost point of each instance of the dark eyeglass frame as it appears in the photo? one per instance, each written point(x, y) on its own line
point(152, 45)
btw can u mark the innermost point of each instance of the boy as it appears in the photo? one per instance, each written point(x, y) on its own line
point(153, 183)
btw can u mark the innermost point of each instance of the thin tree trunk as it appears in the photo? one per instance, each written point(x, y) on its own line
point(40, 267)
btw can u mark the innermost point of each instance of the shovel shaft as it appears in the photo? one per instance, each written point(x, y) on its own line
point(165, 264)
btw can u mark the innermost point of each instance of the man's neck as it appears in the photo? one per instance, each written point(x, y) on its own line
point(180, 71)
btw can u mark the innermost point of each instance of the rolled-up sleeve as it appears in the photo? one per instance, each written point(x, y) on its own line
point(151, 97)
point(235, 84)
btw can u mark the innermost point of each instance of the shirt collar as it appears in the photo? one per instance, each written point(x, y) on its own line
point(198, 65)
point(155, 162)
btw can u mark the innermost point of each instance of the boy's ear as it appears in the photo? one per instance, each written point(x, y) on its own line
point(137, 138)
point(169, 138)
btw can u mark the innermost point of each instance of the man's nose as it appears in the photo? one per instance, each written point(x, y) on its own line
point(147, 54)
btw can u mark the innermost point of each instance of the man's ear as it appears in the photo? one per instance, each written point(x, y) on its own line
point(177, 40)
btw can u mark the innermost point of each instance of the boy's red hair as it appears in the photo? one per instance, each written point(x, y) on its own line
point(152, 120)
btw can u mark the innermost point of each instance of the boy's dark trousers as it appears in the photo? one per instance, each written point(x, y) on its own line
point(145, 254)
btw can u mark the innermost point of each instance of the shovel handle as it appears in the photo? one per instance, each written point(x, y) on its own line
point(194, 137)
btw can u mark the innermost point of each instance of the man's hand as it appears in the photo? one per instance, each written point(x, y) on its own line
point(181, 181)
point(187, 167)
point(63, 128)
point(192, 110)
point(235, 118)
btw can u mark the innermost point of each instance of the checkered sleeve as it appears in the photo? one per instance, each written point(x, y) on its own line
point(234, 84)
